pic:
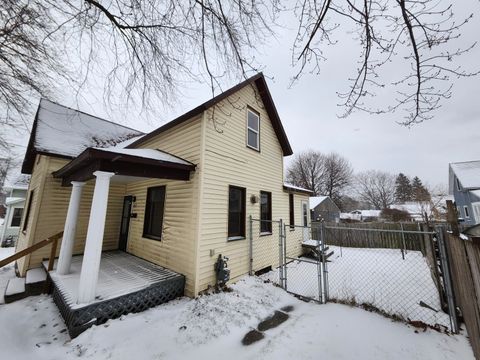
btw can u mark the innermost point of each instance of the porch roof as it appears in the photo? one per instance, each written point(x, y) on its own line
point(149, 163)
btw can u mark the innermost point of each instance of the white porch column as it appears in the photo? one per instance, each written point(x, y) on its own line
point(66, 250)
point(93, 244)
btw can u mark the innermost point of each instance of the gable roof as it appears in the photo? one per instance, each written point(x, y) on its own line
point(64, 132)
point(316, 200)
point(468, 173)
point(259, 81)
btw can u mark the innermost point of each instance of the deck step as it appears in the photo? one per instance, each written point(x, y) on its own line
point(15, 290)
point(36, 281)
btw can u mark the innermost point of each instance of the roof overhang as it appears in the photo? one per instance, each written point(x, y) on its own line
point(82, 167)
point(297, 189)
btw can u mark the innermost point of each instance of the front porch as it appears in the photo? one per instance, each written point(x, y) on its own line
point(125, 284)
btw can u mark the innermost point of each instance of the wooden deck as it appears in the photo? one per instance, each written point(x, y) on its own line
point(126, 284)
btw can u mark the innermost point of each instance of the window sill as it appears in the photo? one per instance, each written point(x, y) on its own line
point(265, 233)
point(253, 148)
point(235, 238)
point(152, 237)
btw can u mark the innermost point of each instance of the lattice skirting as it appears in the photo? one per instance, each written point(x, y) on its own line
point(78, 320)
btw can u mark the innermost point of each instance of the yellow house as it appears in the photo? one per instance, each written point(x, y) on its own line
point(208, 183)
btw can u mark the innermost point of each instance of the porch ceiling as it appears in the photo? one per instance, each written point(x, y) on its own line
point(144, 163)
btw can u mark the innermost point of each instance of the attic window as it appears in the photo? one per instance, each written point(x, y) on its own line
point(253, 130)
point(458, 184)
point(465, 208)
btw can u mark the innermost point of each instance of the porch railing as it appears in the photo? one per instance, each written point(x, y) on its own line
point(50, 240)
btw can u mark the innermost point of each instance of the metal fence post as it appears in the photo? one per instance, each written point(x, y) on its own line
point(285, 278)
point(452, 311)
point(280, 251)
point(250, 235)
point(324, 262)
point(319, 268)
point(404, 249)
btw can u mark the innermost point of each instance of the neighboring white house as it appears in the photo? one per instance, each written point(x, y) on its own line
point(361, 215)
point(16, 187)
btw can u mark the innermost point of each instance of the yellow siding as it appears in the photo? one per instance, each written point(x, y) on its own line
point(52, 212)
point(176, 250)
point(229, 162)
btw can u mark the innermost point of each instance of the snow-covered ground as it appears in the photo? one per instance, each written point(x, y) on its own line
point(7, 272)
point(380, 277)
point(212, 327)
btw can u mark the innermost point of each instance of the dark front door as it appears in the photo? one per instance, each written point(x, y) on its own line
point(125, 223)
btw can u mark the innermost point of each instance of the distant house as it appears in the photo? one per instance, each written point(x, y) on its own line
point(16, 192)
point(464, 185)
point(361, 215)
point(323, 208)
point(416, 210)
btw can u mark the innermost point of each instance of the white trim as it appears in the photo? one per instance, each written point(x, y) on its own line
point(257, 132)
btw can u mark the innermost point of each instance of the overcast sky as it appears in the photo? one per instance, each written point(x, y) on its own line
point(309, 111)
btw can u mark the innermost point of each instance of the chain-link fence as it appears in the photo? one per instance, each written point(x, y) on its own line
point(393, 278)
point(265, 246)
point(400, 273)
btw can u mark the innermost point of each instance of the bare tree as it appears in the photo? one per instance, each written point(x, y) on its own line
point(306, 170)
point(337, 175)
point(422, 32)
point(324, 174)
point(376, 187)
point(149, 49)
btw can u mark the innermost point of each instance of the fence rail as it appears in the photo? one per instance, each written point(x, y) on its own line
point(405, 236)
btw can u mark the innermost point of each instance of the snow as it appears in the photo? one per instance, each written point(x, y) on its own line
point(374, 276)
point(7, 272)
point(13, 200)
point(316, 200)
point(147, 154)
point(119, 274)
point(36, 275)
point(468, 173)
point(16, 180)
point(64, 131)
point(212, 327)
point(290, 186)
point(15, 286)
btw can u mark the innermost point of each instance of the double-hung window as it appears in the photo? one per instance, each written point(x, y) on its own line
point(153, 223)
point(253, 130)
point(291, 205)
point(236, 213)
point(265, 212)
point(16, 217)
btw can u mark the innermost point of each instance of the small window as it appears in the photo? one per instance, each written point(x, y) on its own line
point(305, 214)
point(458, 184)
point(253, 130)
point(291, 204)
point(154, 208)
point(16, 217)
point(465, 208)
point(27, 214)
point(236, 213)
point(265, 212)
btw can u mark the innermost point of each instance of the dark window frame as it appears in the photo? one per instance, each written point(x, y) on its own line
point(266, 224)
point(18, 218)
point(231, 234)
point(249, 109)
point(291, 205)
point(466, 211)
point(148, 216)
point(27, 213)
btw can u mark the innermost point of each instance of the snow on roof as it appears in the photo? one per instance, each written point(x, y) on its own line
point(13, 200)
point(147, 154)
point(64, 131)
point(15, 180)
point(290, 186)
point(316, 200)
point(370, 213)
point(476, 193)
point(413, 208)
point(468, 173)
